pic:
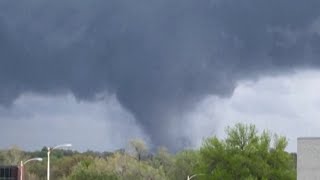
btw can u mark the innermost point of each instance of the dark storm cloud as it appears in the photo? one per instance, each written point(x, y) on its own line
point(158, 57)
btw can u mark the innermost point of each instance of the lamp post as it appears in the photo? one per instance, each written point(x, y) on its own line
point(23, 163)
point(49, 151)
point(190, 177)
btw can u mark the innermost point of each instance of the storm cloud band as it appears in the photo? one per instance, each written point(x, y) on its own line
point(158, 57)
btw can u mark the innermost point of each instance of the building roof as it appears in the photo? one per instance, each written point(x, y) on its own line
point(308, 138)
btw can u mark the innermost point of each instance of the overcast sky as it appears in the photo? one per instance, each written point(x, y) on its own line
point(97, 73)
point(287, 105)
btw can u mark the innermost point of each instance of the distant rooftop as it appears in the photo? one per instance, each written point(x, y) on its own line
point(308, 138)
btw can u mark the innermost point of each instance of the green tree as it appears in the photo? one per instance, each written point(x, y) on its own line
point(163, 160)
point(13, 156)
point(2, 157)
point(92, 169)
point(128, 167)
point(138, 149)
point(246, 154)
point(185, 164)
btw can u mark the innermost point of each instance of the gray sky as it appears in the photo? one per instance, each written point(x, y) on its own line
point(287, 105)
point(157, 60)
point(34, 121)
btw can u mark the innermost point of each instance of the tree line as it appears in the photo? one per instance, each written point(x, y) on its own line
point(244, 154)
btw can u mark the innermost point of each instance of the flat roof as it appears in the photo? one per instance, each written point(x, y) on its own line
point(308, 138)
point(8, 166)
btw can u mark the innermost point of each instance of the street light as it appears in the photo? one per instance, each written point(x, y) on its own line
point(23, 163)
point(190, 177)
point(49, 151)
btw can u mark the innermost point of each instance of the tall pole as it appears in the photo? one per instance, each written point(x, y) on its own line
point(21, 170)
point(49, 151)
point(48, 166)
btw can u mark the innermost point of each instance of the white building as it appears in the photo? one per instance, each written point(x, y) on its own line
point(308, 158)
